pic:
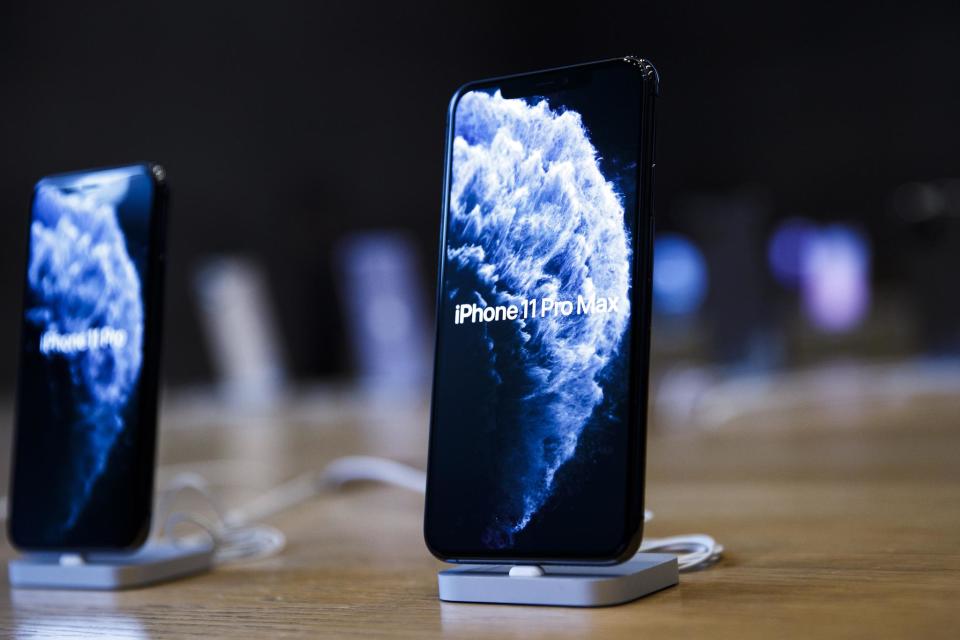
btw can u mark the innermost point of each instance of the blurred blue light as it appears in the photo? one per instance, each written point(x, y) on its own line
point(836, 278)
point(679, 275)
point(785, 250)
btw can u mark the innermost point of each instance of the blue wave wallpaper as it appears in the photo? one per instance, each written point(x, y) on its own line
point(530, 400)
point(82, 342)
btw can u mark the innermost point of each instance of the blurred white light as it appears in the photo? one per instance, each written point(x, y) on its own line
point(679, 275)
point(836, 278)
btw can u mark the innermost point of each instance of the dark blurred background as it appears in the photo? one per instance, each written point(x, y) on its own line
point(808, 188)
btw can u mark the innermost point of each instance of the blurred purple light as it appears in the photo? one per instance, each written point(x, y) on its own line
point(835, 264)
point(785, 250)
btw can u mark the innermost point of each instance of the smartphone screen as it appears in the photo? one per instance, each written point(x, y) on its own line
point(537, 423)
point(86, 405)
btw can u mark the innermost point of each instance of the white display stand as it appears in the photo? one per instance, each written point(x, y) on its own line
point(560, 585)
point(156, 562)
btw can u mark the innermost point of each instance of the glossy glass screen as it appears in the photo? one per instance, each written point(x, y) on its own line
point(529, 442)
point(79, 451)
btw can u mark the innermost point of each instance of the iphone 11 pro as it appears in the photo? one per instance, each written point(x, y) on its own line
point(86, 410)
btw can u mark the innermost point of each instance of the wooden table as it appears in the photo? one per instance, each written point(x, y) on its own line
point(836, 523)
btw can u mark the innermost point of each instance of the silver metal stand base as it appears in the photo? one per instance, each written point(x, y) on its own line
point(564, 585)
point(155, 562)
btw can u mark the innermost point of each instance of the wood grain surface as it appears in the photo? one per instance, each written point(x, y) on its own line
point(837, 523)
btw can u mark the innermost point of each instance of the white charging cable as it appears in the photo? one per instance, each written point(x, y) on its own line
point(336, 474)
point(233, 539)
point(694, 551)
point(238, 534)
